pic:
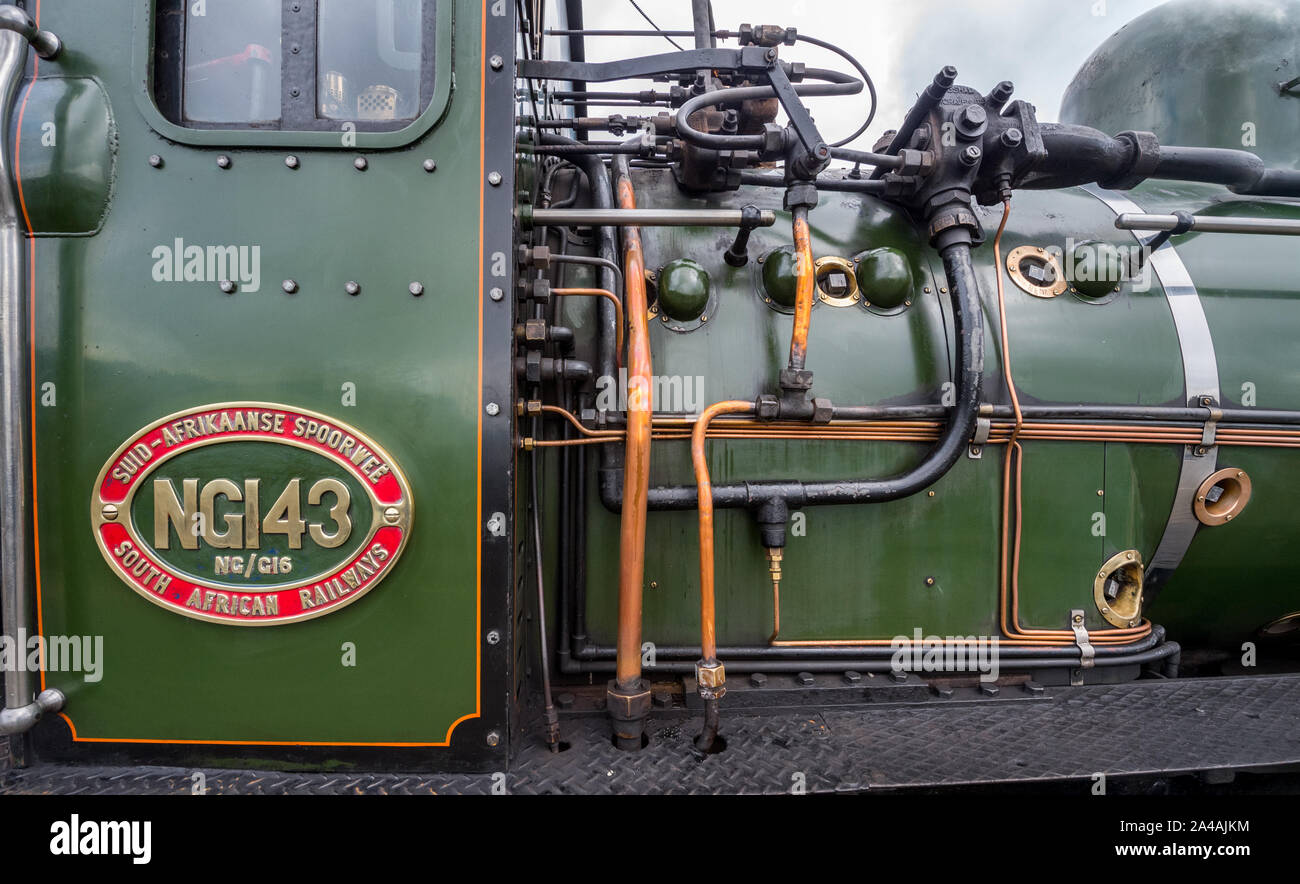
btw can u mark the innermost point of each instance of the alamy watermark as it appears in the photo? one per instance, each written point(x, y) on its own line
point(931, 653)
point(671, 394)
point(178, 262)
point(53, 653)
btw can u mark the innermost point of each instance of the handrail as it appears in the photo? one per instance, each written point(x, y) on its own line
point(46, 44)
point(20, 711)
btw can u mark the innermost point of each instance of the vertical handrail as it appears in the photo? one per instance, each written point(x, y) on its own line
point(20, 711)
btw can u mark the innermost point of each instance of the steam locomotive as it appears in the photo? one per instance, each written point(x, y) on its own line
point(389, 390)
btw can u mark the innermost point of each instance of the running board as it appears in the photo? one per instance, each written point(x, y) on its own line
point(1156, 727)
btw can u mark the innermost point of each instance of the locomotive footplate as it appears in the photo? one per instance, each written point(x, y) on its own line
point(1157, 727)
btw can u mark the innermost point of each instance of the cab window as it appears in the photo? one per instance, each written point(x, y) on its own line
point(232, 62)
point(295, 65)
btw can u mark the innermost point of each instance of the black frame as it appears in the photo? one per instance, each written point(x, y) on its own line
point(298, 71)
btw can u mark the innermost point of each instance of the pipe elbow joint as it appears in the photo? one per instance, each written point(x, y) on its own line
point(24, 718)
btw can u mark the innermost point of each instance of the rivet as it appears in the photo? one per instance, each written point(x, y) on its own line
point(291, 161)
point(224, 162)
point(1129, 556)
point(493, 637)
point(352, 288)
point(109, 512)
point(907, 303)
point(295, 49)
point(228, 286)
point(156, 161)
point(493, 409)
point(654, 584)
point(289, 286)
point(361, 164)
point(943, 291)
point(932, 494)
point(295, 92)
point(929, 581)
point(493, 738)
point(1101, 492)
point(496, 294)
point(430, 166)
point(496, 62)
point(927, 290)
point(494, 178)
point(416, 288)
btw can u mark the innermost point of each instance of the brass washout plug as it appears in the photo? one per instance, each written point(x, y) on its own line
point(774, 557)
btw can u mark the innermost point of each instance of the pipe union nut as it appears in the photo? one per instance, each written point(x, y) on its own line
point(627, 705)
point(712, 679)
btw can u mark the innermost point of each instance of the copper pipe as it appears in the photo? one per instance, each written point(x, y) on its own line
point(1015, 454)
point(708, 629)
point(608, 295)
point(636, 467)
point(805, 283)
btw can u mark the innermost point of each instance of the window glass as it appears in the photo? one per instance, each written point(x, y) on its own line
point(369, 60)
point(232, 61)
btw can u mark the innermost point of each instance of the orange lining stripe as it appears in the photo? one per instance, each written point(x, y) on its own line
point(478, 576)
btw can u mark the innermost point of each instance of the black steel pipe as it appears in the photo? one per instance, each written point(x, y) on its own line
point(831, 653)
point(836, 84)
point(832, 185)
point(1078, 155)
point(969, 330)
point(1168, 651)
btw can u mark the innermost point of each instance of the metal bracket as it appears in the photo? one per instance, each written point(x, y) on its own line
point(1209, 431)
point(1087, 655)
point(983, 428)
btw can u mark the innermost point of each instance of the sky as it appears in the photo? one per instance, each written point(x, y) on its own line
point(1037, 44)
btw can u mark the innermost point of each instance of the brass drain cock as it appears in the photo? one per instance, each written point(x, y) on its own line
point(774, 557)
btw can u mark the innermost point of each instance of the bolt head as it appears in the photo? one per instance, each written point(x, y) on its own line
point(496, 294)
point(493, 409)
point(416, 288)
point(805, 678)
point(496, 62)
point(228, 286)
point(493, 739)
point(290, 286)
point(291, 161)
point(758, 679)
point(929, 581)
point(224, 162)
point(493, 637)
point(352, 288)
point(156, 161)
point(494, 178)
point(430, 166)
point(852, 677)
point(361, 164)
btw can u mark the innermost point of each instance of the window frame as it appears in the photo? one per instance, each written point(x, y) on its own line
point(161, 22)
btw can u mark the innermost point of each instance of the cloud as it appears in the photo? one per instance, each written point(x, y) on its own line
point(1037, 44)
